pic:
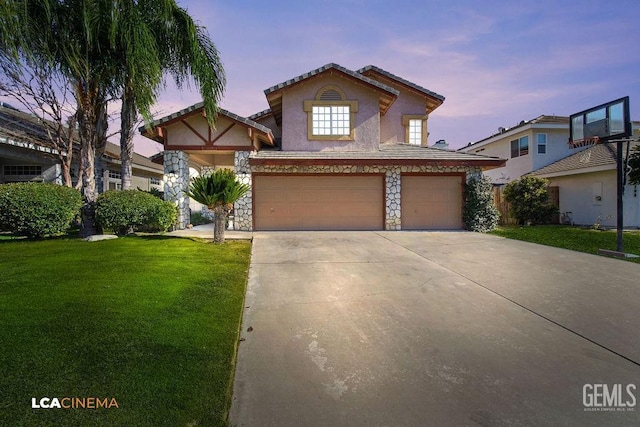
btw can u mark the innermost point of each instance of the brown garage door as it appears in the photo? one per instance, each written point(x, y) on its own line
point(431, 202)
point(313, 202)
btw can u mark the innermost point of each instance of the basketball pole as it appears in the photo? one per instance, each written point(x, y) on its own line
point(620, 206)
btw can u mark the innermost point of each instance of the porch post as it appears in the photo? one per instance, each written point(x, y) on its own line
point(176, 184)
point(243, 208)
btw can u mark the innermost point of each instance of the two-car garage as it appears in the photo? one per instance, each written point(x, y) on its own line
point(354, 201)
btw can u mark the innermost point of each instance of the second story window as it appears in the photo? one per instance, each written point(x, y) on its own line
point(542, 143)
point(331, 120)
point(330, 116)
point(520, 147)
point(415, 129)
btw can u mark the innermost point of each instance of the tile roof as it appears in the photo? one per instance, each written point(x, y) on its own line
point(200, 105)
point(260, 114)
point(596, 156)
point(334, 66)
point(387, 153)
point(400, 80)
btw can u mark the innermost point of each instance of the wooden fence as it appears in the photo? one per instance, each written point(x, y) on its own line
point(504, 208)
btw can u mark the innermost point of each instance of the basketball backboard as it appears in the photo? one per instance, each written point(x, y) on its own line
point(606, 122)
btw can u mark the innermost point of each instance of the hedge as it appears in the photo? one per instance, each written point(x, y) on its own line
point(36, 210)
point(133, 210)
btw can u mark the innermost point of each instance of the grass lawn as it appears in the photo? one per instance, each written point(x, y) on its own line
point(150, 321)
point(574, 238)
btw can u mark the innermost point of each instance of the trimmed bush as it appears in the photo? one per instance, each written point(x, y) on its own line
point(480, 213)
point(36, 209)
point(133, 210)
point(530, 201)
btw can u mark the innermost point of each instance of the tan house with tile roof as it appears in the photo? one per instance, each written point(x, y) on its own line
point(337, 150)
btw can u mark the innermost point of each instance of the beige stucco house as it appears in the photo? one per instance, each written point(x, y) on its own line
point(26, 156)
point(337, 149)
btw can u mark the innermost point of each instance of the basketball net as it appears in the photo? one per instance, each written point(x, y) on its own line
point(584, 142)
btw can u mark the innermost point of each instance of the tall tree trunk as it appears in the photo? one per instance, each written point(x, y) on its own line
point(128, 119)
point(219, 222)
point(92, 131)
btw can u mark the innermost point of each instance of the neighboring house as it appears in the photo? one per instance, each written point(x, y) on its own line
point(337, 149)
point(25, 156)
point(588, 187)
point(528, 146)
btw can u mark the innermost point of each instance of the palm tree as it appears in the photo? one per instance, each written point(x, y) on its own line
point(218, 192)
point(73, 36)
point(156, 37)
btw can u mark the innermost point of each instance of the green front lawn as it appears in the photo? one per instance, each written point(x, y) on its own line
point(574, 238)
point(152, 322)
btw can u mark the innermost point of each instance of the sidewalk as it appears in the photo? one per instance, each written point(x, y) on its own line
point(206, 232)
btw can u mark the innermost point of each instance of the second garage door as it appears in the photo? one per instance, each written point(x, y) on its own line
point(317, 202)
point(431, 202)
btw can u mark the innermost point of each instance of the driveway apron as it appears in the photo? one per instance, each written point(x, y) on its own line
point(435, 328)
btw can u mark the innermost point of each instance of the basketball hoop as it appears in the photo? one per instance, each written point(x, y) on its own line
point(592, 140)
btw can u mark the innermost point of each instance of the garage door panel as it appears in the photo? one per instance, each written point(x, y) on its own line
point(431, 202)
point(312, 202)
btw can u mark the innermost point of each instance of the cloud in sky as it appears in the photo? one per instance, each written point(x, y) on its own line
point(497, 63)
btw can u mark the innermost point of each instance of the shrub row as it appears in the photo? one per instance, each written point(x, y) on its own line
point(36, 210)
point(132, 210)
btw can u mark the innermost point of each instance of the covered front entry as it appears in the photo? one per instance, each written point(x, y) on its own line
point(318, 202)
point(432, 202)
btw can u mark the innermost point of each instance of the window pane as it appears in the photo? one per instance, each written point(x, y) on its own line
point(331, 120)
point(415, 132)
point(524, 145)
point(542, 143)
point(515, 152)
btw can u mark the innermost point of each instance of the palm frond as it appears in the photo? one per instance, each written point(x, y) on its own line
point(219, 188)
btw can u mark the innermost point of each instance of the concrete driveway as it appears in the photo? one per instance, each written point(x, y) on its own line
point(435, 328)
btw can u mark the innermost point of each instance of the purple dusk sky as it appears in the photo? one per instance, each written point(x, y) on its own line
point(496, 62)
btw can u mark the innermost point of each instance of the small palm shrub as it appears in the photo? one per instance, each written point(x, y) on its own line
point(529, 199)
point(36, 210)
point(480, 213)
point(132, 210)
point(218, 192)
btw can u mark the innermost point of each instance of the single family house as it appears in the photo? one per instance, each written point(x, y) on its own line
point(528, 146)
point(587, 183)
point(25, 155)
point(337, 150)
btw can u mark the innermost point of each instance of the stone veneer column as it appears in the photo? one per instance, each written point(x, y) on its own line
point(243, 215)
point(392, 182)
point(176, 183)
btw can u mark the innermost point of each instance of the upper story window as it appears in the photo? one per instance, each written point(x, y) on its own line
point(415, 129)
point(115, 174)
point(542, 143)
point(331, 120)
point(520, 147)
point(330, 116)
